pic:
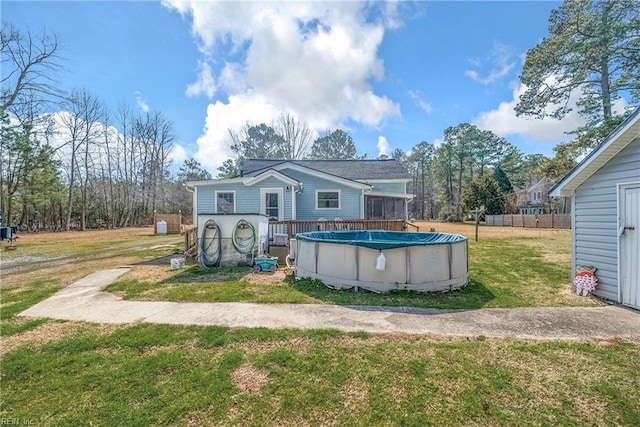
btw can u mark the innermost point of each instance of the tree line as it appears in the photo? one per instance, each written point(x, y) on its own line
point(84, 166)
point(87, 166)
point(441, 177)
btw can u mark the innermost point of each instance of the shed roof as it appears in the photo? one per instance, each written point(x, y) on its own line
point(620, 138)
point(357, 170)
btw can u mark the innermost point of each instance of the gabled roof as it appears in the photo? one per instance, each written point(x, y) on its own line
point(270, 173)
point(249, 180)
point(355, 170)
point(620, 138)
point(541, 183)
point(312, 172)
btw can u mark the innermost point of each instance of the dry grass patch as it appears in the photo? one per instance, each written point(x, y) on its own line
point(299, 344)
point(162, 273)
point(277, 278)
point(150, 273)
point(249, 379)
point(468, 229)
point(356, 395)
point(49, 332)
point(67, 274)
point(43, 334)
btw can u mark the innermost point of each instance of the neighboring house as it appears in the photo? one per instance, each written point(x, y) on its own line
point(308, 190)
point(605, 198)
point(536, 200)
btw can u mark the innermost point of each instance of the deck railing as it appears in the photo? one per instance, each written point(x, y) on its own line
point(290, 228)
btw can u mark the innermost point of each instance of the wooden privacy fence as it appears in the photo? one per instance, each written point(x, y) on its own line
point(290, 228)
point(529, 221)
point(174, 222)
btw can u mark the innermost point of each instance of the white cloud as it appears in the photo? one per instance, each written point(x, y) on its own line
point(418, 98)
point(205, 83)
point(178, 154)
point(141, 103)
point(383, 146)
point(504, 122)
point(314, 60)
point(214, 143)
point(501, 63)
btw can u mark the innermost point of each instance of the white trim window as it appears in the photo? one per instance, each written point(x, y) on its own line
point(225, 201)
point(328, 199)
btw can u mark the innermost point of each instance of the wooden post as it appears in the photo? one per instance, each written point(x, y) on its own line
point(477, 220)
point(477, 212)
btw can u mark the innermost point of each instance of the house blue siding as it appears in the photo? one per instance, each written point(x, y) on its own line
point(247, 197)
point(350, 198)
point(596, 217)
point(389, 187)
point(206, 198)
point(253, 193)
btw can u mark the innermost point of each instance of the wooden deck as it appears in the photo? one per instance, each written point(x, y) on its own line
point(291, 228)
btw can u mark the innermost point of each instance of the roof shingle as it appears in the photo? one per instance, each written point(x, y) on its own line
point(355, 170)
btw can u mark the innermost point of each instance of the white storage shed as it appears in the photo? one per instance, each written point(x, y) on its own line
point(605, 205)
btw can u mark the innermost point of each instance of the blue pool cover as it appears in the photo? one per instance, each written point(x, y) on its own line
point(382, 240)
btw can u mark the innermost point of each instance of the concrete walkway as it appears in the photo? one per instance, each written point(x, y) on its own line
point(85, 301)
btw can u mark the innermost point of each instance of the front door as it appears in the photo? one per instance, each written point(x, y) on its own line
point(630, 245)
point(271, 203)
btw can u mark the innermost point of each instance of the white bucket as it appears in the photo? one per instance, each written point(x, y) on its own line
point(177, 263)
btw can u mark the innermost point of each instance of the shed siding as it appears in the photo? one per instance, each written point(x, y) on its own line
point(596, 216)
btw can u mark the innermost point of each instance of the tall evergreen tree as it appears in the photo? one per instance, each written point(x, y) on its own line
point(258, 142)
point(593, 50)
point(503, 180)
point(484, 191)
point(336, 145)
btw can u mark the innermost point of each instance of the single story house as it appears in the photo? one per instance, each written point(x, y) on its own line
point(308, 190)
point(605, 201)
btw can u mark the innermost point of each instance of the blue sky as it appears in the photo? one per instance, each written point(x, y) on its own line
point(390, 74)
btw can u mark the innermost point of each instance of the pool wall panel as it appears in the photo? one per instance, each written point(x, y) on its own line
point(434, 267)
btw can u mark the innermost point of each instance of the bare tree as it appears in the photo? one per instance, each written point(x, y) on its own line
point(80, 124)
point(29, 63)
point(155, 136)
point(296, 135)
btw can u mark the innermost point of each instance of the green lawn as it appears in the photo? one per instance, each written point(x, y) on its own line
point(73, 373)
point(144, 375)
point(205, 285)
point(520, 271)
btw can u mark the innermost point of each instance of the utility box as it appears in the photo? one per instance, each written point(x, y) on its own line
point(280, 239)
point(161, 227)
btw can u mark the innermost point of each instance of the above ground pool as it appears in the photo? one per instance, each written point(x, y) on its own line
point(380, 261)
